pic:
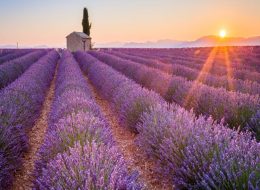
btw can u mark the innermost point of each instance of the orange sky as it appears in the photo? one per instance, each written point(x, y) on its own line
point(36, 22)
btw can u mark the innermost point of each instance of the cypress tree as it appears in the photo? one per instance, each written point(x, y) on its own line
point(85, 22)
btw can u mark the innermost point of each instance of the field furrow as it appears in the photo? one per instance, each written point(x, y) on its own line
point(20, 106)
point(129, 119)
point(79, 151)
point(219, 68)
point(11, 70)
point(25, 176)
point(126, 141)
point(202, 76)
point(190, 150)
point(236, 108)
point(14, 55)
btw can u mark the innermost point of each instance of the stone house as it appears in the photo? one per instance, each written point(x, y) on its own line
point(78, 41)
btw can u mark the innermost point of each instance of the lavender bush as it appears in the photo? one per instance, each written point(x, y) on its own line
point(118, 89)
point(21, 101)
point(246, 67)
point(79, 151)
point(193, 74)
point(13, 69)
point(7, 180)
point(20, 106)
point(92, 166)
point(13, 143)
point(241, 156)
point(79, 127)
point(254, 125)
point(236, 108)
point(4, 52)
point(195, 152)
point(71, 102)
point(14, 55)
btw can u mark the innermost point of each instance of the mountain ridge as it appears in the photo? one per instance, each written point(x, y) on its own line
point(204, 41)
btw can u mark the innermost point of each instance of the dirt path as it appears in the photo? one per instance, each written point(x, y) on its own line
point(125, 140)
point(24, 177)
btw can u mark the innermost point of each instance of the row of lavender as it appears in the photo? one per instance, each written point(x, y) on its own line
point(240, 59)
point(214, 68)
point(14, 55)
point(236, 108)
point(20, 105)
point(199, 76)
point(4, 52)
point(79, 151)
point(195, 152)
point(220, 58)
point(11, 70)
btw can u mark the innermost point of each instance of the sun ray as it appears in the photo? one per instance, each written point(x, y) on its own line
point(207, 66)
point(229, 69)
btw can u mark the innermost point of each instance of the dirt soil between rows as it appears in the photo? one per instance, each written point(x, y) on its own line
point(125, 140)
point(24, 177)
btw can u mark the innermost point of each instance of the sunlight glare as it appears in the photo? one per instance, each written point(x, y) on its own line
point(222, 33)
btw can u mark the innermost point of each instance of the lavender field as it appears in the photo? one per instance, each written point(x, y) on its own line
point(130, 119)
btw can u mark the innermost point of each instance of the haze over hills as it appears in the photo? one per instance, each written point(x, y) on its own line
point(229, 41)
point(205, 41)
point(13, 46)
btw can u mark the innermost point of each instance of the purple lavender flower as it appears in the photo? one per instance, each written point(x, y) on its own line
point(190, 59)
point(239, 85)
point(118, 88)
point(79, 127)
point(13, 143)
point(79, 150)
point(13, 55)
point(236, 108)
point(21, 101)
point(15, 68)
point(254, 125)
point(188, 148)
point(20, 105)
point(196, 151)
point(92, 166)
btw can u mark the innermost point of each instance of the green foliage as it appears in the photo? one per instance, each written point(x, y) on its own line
point(85, 22)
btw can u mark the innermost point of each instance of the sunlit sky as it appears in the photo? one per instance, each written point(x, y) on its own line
point(37, 22)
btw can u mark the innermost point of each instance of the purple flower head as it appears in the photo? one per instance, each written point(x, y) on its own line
point(196, 151)
point(81, 127)
point(92, 166)
point(13, 143)
point(20, 105)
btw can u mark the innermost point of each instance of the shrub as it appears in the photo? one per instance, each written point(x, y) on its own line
point(78, 127)
point(195, 152)
point(13, 143)
point(92, 166)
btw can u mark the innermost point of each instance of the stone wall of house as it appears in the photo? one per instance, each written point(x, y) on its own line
point(75, 43)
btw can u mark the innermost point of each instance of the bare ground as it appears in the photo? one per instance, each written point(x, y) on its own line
point(134, 156)
point(24, 177)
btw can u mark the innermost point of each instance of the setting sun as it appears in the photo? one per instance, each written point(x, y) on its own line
point(222, 33)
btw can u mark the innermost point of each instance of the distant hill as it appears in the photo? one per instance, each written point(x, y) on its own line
point(205, 41)
point(29, 46)
point(157, 44)
point(216, 41)
point(7, 46)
